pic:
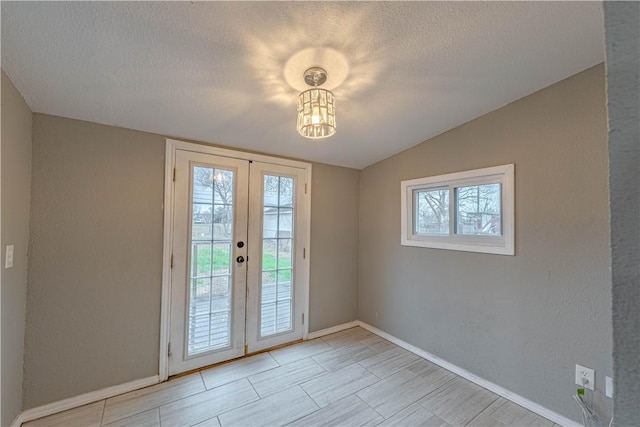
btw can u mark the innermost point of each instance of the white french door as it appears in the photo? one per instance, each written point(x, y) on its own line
point(276, 229)
point(239, 231)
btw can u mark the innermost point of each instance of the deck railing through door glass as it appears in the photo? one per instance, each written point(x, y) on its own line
point(210, 259)
point(276, 309)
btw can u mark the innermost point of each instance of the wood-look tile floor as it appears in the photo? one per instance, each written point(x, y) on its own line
point(350, 378)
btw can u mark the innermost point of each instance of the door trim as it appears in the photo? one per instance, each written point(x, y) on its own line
point(171, 146)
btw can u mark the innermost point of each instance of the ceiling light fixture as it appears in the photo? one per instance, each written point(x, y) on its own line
point(316, 107)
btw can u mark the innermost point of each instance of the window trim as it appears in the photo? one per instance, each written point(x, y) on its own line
point(500, 245)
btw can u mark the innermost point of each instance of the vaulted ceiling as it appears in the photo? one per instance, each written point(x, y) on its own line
point(229, 72)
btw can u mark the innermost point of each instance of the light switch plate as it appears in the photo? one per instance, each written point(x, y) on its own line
point(609, 388)
point(8, 259)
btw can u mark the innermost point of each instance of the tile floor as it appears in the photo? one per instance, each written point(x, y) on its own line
point(350, 378)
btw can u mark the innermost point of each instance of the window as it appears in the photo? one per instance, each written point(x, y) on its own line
point(466, 211)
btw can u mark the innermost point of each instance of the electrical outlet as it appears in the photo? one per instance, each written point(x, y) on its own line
point(585, 377)
point(609, 388)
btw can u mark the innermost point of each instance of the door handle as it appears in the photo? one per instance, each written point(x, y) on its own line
point(240, 259)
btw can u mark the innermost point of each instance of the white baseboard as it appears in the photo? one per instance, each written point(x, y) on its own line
point(332, 330)
point(18, 421)
point(83, 399)
point(495, 388)
point(105, 393)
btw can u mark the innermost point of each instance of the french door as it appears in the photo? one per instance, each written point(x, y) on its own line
point(239, 230)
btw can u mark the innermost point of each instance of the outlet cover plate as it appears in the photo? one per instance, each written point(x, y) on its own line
point(585, 377)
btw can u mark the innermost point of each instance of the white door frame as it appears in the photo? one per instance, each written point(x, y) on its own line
point(171, 147)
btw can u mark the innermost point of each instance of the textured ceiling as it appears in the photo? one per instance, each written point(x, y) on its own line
point(229, 72)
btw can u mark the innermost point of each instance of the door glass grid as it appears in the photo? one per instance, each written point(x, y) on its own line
point(276, 309)
point(209, 299)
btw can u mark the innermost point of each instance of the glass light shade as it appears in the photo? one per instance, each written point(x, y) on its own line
point(316, 113)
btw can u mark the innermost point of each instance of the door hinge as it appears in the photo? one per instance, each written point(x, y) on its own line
point(174, 174)
point(169, 350)
point(305, 188)
point(246, 349)
point(304, 253)
point(303, 318)
point(171, 260)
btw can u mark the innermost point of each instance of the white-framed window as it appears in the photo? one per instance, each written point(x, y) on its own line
point(469, 211)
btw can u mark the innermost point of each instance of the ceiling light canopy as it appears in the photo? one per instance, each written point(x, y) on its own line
point(316, 107)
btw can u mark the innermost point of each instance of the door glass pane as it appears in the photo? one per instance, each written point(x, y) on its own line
point(209, 319)
point(478, 210)
point(276, 311)
point(432, 211)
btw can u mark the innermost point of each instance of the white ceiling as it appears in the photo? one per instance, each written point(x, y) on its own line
point(229, 72)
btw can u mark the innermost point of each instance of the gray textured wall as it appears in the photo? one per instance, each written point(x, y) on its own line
point(16, 187)
point(522, 322)
point(95, 264)
point(96, 256)
point(334, 231)
point(622, 32)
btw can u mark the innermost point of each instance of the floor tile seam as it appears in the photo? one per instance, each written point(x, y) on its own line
point(353, 393)
point(342, 341)
point(240, 378)
point(413, 402)
point(301, 384)
point(340, 351)
point(152, 408)
point(368, 371)
point(369, 385)
point(368, 406)
point(307, 393)
point(219, 414)
point(104, 406)
point(327, 343)
point(297, 383)
point(254, 388)
point(305, 357)
point(204, 391)
point(495, 409)
point(483, 409)
point(202, 379)
point(312, 358)
point(319, 375)
point(306, 415)
point(399, 410)
point(378, 412)
point(536, 416)
point(373, 349)
point(391, 372)
point(293, 386)
point(376, 355)
point(391, 358)
point(208, 419)
point(314, 361)
point(435, 390)
point(323, 350)
point(329, 368)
